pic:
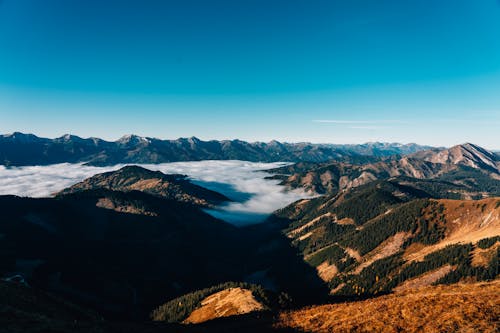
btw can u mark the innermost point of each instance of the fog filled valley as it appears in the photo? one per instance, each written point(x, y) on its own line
point(218, 245)
point(123, 240)
point(253, 197)
point(249, 166)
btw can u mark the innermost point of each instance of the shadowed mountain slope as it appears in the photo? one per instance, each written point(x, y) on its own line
point(134, 178)
point(117, 245)
point(118, 260)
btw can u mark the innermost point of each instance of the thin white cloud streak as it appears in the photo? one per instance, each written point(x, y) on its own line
point(368, 127)
point(361, 122)
point(236, 179)
point(334, 121)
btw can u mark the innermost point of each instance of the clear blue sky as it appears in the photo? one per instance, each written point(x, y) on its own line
point(422, 71)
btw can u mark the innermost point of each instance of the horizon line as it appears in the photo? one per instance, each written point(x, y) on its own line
point(236, 139)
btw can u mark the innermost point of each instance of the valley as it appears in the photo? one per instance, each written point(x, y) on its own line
point(134, 243)
point(247, 197)
point(265, 166)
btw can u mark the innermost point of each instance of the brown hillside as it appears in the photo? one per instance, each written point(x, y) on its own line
point(135, 178)
point(334, 176)
point(225, 303)
point(466, 222)
point(455, 308)
point(466, 154)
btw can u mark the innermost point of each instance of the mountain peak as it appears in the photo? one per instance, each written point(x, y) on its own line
point(69, 137)
point(473, 147)
point(194, 140)
point(132, 148)
point(136, 178)
point(467, 154)
point(275, 143)
point(143, 173)
point(132, 139)
point(22, 137)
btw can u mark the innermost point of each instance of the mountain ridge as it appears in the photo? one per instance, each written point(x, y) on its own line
point(135, 178)
point(462, 164)
point(395, 236)
point(18, 149)
point(129, 241)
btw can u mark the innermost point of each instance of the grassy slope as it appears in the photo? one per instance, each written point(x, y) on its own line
point(459, 307)
point(399, 234)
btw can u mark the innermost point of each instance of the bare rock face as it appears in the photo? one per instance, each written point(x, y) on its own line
point(467, 154)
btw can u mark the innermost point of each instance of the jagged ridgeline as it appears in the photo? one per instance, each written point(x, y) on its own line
point(27, 149)
point(461, 172)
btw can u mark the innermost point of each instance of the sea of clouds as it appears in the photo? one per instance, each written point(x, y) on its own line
point(244, 182)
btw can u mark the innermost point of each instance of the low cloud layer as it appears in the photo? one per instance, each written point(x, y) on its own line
point(255, 197)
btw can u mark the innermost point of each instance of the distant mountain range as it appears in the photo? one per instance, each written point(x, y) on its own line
point(469, 171)
point(19, 149)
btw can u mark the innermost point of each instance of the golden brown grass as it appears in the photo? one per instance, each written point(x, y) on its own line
point(225, 303)
point(468, 222)
point(298, 230)
point(482, 257)
point(425, 279)
point(389, 247)
point(327, 271)
point(455, 308)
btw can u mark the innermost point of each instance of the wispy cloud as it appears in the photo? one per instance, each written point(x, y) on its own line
point(368, 127)
point(255, 197)
point(348, 122)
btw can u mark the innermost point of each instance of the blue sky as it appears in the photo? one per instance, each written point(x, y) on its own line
point(321, 71)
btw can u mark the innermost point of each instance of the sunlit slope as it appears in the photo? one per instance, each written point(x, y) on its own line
point(376, 238)
point(454, 308)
